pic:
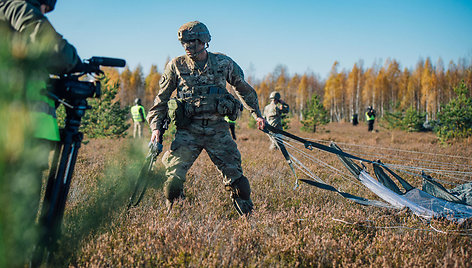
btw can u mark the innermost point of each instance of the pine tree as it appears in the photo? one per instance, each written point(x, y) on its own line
point(413, 120)
point(455, 118)
point(314, 115)
point(106, 118)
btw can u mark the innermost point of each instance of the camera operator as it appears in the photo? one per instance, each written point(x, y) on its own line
point(32, 31)
point(36, 50)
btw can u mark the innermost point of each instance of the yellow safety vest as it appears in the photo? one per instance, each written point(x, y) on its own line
point(135, 112)
point(369, 118)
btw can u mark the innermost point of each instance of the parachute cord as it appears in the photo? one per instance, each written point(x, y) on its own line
point(349, 176)
point(439, 171)
point(432, 170)
point(319, 162)
point(392, 149)
point(309, 157)
point(405, 169)
point(297, 163)
point(404, 159)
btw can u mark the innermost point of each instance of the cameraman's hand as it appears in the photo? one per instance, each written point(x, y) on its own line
point(155, 135)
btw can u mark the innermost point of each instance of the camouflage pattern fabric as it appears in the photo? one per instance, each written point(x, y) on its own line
point(211, 135)
point(207, 129)
point(273, 113)
point(183, 75)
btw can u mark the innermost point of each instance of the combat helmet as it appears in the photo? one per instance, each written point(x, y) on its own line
point(274, 95)
point(194, 30)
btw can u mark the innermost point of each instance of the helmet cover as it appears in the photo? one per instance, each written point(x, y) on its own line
point(274, 95)
point(194, 30)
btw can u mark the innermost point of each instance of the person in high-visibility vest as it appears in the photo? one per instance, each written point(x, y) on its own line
point(370, 118)
point(139, 116)
point(25, 25)
point(37, 50)
point(29, 26)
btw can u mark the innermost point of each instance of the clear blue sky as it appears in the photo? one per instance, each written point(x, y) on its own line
point(261, 34)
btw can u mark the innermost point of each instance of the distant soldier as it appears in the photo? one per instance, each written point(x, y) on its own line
point(355, 119)
point(139, 116)
point(273, 113)
point(370, 118)
point(202, 102)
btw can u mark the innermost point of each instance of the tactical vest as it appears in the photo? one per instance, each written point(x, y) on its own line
point(138, 113)
point(43, 113)
point(203, 97)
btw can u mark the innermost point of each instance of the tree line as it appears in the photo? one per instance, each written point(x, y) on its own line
point(387, 87)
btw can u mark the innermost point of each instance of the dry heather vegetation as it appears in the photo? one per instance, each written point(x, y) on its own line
point(302, 227)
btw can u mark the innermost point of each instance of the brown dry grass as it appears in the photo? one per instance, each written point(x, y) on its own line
point(288, 227)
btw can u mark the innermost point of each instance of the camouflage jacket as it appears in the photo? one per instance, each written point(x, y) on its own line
point(273, 113)
point(32, 28)
point(183, 75)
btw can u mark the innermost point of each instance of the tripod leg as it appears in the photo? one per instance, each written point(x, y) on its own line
point(42, 244)
point(55, 198)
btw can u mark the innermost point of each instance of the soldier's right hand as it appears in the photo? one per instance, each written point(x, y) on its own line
point(155, 135)
point(261, 122)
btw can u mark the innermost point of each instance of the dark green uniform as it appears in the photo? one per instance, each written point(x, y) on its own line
point(25, 18)
point(33, 37)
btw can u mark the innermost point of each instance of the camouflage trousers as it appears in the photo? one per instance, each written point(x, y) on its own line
point(215, 138)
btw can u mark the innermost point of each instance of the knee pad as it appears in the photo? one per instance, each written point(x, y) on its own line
point(173, 188)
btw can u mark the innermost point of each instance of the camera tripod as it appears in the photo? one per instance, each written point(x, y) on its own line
point(59, 179)
point(73, 94)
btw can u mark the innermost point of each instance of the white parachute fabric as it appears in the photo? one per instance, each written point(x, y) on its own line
point(421, 203)
point(440, 207)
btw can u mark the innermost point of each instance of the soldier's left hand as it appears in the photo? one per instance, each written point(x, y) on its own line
point(260, 122)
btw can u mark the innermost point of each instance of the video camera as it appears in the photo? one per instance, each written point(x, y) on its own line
point(69, 86)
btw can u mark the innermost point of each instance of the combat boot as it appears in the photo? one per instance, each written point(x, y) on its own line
point(241, 196)
point(170, 202)
point(173, 189)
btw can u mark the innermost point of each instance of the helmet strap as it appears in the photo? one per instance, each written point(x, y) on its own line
point(195, 55)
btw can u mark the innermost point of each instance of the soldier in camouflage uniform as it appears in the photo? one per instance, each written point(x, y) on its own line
point(198, 111)
point(273, 113)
